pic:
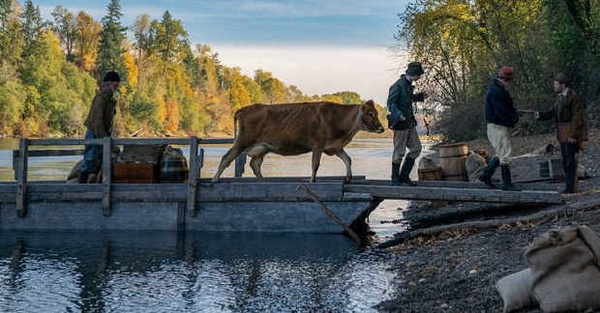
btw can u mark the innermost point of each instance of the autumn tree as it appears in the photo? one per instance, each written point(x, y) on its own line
point(87, 40)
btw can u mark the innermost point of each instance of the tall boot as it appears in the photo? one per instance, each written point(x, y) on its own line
point(506, 179)
point(570, 168)
point(395, 174)
point(490, 168)
point(405, 172)
point(83, 177)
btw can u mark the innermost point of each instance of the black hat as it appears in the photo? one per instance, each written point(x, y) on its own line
point(563, 79)
point(414, 69)
point(111, 76)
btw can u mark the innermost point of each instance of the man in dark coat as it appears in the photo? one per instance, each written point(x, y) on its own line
point(99, 124)
point(568, 113)
point(402, 121)
point(501, 116)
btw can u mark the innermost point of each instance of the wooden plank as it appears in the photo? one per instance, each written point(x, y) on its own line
point(22, 179)
point(461, 184)
point(273, 191)
point(50, 152)
point(130, 141)
point(457, 194)
point(298, 179)
point(193, 178)
point(106, 176)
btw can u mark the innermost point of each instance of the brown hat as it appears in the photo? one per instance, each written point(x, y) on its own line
point(506, 73)
point(414, 69)
point(563, 79)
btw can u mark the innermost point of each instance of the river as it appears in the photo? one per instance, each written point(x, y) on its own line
point(200, 272)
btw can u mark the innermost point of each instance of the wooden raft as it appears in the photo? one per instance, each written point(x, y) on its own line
point(455, 191)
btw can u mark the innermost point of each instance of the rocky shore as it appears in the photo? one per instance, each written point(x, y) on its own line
point(456, 270)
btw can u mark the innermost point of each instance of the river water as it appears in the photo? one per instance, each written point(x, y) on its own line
point(200, 272)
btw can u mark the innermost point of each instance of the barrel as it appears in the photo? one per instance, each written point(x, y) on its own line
point(173, 166)
point(452, 161)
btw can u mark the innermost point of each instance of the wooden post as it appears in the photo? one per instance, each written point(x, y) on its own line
point(106, 175)
point(22, 178)
point(330, 213)
point(193, 177)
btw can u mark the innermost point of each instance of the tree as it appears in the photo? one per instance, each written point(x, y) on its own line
point(274, 91)
point(65, 25)
point(112, 37)
point(11, 40)
point(87, 40)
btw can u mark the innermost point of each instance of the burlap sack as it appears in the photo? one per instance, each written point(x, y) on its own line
point(565, 273)
point(515, 290)
point(475, 166)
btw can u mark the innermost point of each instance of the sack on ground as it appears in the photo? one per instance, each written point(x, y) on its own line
point(565, 272)
point(515, 290)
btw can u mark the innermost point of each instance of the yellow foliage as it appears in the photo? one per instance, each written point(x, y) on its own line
point(132, 68)
point(172, 115)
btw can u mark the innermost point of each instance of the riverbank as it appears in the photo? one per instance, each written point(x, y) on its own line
point(455, 270)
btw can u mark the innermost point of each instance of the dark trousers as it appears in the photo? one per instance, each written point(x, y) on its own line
point(569, 162)
point(92, 156)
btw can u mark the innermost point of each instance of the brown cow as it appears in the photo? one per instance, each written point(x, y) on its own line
point(296, 128)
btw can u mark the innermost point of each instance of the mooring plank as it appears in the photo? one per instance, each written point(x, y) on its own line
point(463, 184)
point(457, 194)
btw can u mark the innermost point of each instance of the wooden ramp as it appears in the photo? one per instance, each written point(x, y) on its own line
point(456, 191)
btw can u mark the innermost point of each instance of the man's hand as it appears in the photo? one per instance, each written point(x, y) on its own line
point(571, 140)
point(401, 117)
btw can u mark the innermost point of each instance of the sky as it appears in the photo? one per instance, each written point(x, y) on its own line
point(320, 46)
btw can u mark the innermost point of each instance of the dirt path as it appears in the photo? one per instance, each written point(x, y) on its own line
point(455, 271)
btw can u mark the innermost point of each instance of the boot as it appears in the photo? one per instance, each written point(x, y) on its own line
point(405, 172)
point(83, 177)
point(395, 174)
point(506, 179)
point(486, 177)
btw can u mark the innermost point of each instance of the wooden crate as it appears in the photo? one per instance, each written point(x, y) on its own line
point(134, 173)
point(430, 173)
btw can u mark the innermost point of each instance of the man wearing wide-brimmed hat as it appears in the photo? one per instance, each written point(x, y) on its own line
point(99, 124)
point(501, 116)
point(568, 113)
point(402, 121)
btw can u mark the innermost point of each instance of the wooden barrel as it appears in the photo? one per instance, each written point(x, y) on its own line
point(452, 161)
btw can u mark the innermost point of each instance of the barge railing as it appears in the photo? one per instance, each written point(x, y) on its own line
point(196, 160)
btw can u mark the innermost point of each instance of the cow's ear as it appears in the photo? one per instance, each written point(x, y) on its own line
point(370, 102)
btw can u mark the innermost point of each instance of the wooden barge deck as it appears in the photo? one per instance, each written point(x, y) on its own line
point(280, 204)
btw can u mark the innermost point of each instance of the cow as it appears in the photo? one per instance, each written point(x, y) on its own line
point(297, 128)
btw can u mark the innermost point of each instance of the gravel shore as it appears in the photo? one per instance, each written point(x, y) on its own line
point(455, 271)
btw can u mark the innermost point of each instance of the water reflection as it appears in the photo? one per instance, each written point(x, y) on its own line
point(197, 272)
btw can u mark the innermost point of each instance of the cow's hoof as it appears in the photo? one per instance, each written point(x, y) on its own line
point(348, 179)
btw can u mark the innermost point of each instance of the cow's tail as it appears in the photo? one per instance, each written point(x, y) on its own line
point(236, 119)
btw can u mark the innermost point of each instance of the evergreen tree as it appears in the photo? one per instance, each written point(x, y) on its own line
point(112, 37)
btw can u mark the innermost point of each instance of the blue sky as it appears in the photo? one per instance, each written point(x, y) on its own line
point(321, 46)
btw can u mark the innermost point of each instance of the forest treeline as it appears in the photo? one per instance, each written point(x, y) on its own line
point(463, 43)
point(49, 73)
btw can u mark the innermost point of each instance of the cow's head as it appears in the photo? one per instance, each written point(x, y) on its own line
point(370, 118)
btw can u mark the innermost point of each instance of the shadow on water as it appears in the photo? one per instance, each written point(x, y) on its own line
point(195, 272)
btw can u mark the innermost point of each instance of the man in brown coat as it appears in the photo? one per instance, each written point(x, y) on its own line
point(99, 124)
point(568, 113)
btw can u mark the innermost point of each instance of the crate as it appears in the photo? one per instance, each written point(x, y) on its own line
point(134, 173)
point(552, 168)
point(434, 173)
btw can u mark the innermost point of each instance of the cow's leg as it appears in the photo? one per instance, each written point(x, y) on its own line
point(226, 160)
point(316, 161)
point(257, 153)
point(348, 162)
point(255, 164)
